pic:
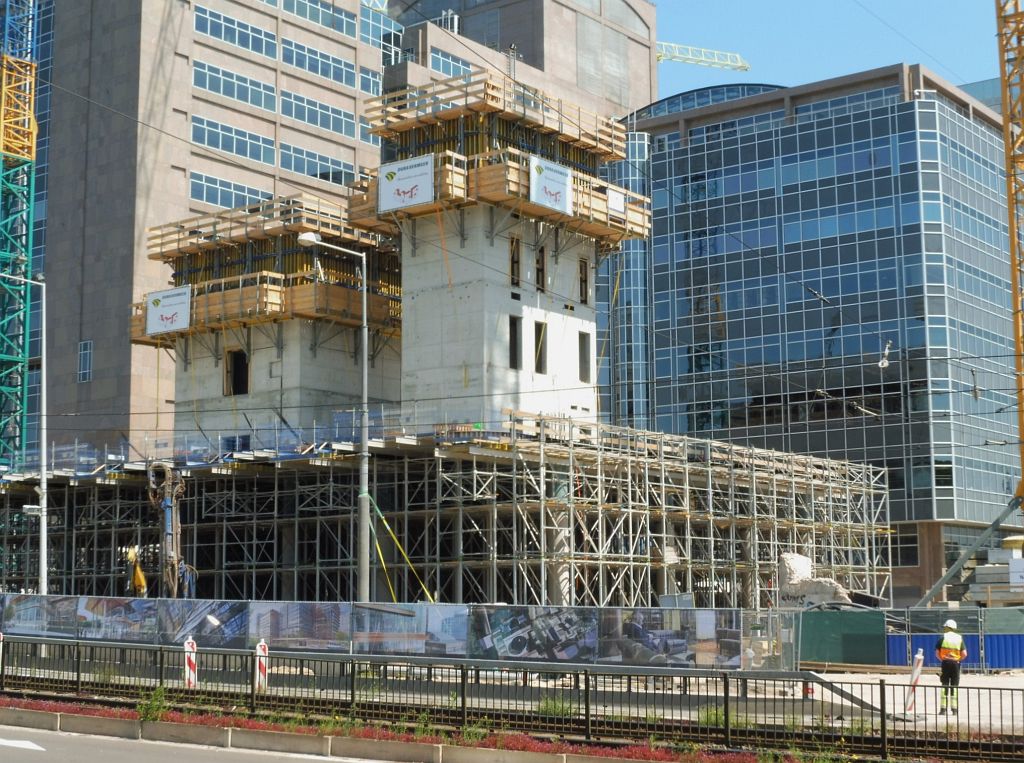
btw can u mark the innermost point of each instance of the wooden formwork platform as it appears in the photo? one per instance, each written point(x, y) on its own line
point(275, 217)
point(485, 92)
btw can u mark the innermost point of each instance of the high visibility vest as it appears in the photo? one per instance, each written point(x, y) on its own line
point(951, 646)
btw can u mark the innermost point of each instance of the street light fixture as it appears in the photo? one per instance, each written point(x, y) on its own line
point(310, 239)
point(41, 507)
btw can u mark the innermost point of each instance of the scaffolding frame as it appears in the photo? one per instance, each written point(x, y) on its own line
point(553, 511)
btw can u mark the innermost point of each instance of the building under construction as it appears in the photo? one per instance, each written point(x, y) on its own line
point(492, 221)
point(551, 511)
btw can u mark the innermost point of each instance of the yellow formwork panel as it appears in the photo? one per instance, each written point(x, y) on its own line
point(17, 109)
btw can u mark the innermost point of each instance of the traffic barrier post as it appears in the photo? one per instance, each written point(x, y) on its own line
point(915, 678)
point(259, 677)
point(191, 673)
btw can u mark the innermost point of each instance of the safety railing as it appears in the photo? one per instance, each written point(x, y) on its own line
point(611, 702)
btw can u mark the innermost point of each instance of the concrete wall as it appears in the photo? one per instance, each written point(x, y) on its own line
point(91, 218)
point(456, 303)
point(315, 374)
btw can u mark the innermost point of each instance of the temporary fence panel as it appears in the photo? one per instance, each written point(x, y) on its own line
point(853, 637)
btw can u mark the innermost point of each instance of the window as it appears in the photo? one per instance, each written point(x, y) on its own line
point(447, 64)
point(319, 63)
point(515, 342)
point(318, 114)
point(236, 373)
point(231, 85)
point(223, 193)
point(365, 135)
point(223, 137)
point(584, 343)
point(515, 256)
point(369, 81)
point(323, 13)
point(540, 347)
point(381, 31)
point(904, 546)
point(541, 268)
point(585, 282)
point(85, 361)
point(236, 32)
point(316, 165)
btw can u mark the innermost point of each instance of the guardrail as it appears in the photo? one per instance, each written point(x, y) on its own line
point(781, 710)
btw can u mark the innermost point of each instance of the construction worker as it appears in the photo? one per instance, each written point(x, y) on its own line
point(951, 652)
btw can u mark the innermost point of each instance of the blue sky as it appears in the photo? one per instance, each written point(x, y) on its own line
point(792, 42)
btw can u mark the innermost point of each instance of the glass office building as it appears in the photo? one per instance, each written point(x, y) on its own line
point(828, 275)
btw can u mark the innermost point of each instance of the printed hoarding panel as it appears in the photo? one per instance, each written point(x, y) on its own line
point(557, 634)
point(168, 310)
point(304, 625)
point(407, 183)
point(437, 630)
point(110, 619)
point(550, 185)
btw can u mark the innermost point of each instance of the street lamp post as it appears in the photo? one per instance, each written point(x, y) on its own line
point(363, 548)
point(43, 583)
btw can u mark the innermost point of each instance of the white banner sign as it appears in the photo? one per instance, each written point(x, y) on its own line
point(406, 183)
point(551, 185)
point(1017, 574)
point(168, 310)
point(616, 201)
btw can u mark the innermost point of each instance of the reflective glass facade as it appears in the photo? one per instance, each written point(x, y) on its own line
point(829, 276)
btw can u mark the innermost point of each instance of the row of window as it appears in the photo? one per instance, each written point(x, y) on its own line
point(207, 132)
point(316, 113)
point(540, 348)
point(232, 140)
point(450, 66)
point(235, 32)
point(515, 269)
point(223, 193)
point(330, 67)
point(262, 42)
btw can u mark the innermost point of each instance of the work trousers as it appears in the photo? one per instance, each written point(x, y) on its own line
point(949, 676)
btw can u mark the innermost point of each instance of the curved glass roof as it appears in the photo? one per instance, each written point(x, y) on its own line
point(704, 96)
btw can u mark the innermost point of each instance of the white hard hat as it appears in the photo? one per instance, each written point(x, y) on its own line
point(951, 624)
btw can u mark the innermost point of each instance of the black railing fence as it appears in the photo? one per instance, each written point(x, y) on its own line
point(606, 703)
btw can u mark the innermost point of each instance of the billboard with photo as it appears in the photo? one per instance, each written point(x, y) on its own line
point(437, 630)
point(551, 185)
point(499, 632)
point(302, 625)
point(407, 183)
point(168, 310)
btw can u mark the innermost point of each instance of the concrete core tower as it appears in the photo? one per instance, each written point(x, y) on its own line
point(503, 218)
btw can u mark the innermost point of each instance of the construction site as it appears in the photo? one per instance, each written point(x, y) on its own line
point(474, 500)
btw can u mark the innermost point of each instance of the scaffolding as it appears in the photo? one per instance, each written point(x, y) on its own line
point(549, 511)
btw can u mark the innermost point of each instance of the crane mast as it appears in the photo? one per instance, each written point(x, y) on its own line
point(1010, 22)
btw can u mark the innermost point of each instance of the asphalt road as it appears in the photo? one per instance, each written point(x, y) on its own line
point(18, 745)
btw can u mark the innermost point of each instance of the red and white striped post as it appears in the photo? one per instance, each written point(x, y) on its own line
point(915, 678)
point(191, 673)
point(259, 678)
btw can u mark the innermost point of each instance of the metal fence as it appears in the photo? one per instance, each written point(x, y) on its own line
point(598, 703)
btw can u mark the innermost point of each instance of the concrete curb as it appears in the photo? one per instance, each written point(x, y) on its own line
point(96, 726)
point(280, 741)
point(385, 749)
point(186, 733)
point(451, 754)
point(30, 719)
